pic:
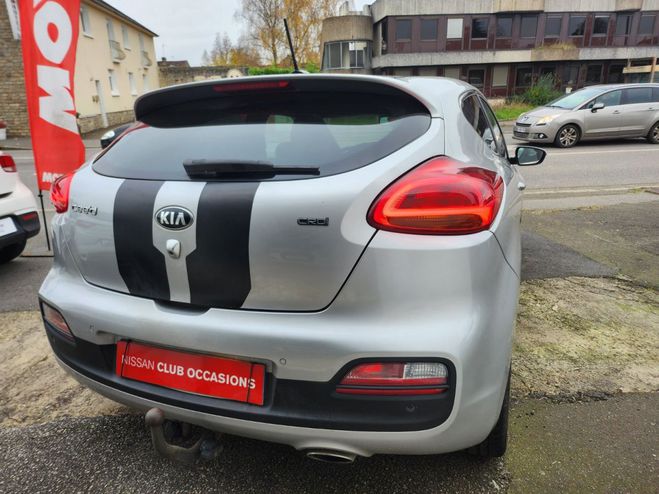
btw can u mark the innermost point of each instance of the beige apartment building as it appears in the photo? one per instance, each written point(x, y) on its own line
point(115, 63)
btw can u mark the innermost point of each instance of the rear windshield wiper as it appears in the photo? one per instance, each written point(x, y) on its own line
point(242, 168)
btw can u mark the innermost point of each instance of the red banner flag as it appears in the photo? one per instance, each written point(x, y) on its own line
point(49, 32)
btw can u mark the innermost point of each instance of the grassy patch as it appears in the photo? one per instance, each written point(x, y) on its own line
point(511, 111)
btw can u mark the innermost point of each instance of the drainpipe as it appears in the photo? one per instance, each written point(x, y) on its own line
point(653, 68)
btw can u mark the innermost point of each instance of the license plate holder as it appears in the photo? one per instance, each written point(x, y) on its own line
point(7, 227)
point(195, 373)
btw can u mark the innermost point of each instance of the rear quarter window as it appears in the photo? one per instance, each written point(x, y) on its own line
point(335, 129)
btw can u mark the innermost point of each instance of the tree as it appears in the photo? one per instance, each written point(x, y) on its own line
point(206, 59)
point(221, 52)
point(265, 25)
point(224, 52)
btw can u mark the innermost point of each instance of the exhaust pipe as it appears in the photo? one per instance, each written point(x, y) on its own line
point(331, 456)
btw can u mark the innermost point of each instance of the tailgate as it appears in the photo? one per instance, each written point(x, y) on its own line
point(145, 224)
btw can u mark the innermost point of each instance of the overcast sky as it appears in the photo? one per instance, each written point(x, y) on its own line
point(185, 29)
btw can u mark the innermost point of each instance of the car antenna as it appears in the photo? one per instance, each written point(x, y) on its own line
point(290, 45)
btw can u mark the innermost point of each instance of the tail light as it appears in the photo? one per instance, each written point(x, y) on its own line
point(395, 378)
point(7, 163)
point(440, 197)
point(55, 319)
point(59, 193)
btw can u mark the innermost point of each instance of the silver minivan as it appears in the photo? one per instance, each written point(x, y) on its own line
point(596, 112)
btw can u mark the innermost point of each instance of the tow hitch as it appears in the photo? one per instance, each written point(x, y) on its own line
point(206, 447)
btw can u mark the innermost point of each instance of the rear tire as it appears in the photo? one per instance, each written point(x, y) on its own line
point(11, 252)
point(496, 443)
point(653, 135)
point(567, 136)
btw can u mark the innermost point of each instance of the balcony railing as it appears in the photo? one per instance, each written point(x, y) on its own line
point(146, 61)
point(116, 51)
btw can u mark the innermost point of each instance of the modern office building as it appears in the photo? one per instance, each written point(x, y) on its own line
point(499, 46)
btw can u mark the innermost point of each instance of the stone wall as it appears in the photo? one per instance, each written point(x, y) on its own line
point(94, 122)
point(13, 109)
point(173, 74)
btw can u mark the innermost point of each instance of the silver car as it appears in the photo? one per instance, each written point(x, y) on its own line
point(330, 262)
point(595, 112)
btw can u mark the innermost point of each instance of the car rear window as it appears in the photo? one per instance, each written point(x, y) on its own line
point(329, 127)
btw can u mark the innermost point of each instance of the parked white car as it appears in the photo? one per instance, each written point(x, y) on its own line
point(18, 211)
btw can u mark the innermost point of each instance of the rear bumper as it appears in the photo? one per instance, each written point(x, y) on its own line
point(27, 226)
point(451, 299)
point(21, 207)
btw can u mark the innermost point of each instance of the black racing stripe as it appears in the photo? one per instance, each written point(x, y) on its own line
point(218, 270)
point(141, 265)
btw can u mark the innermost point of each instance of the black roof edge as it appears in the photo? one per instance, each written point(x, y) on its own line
point(119, 13)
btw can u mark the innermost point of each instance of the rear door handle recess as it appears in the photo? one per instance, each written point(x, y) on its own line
point(616, 112)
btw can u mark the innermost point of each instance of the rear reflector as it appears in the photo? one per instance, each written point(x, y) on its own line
point(7, 163)
point(53, 317)
point(59, 193)
point(250, 86)
point(440, 197)
point(395, 378)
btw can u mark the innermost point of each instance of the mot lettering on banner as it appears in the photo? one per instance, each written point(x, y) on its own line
point(49, 32)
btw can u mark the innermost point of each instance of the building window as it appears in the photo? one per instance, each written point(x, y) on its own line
point(601, 25)
point(145, 83)
point(594, 74)
point(577, 25)
point(347, 55)
point(504, 27)
point(452, 72)
point(14, 20)
point(623, 24)
point(454, 29)
point(500, 76)
point(403, 29)
point(647, 24)
point(112, 77)
point(479, 27)
point(385, 35)
point(524, 77)
point(84, 20)
point(553, 27)
point(529, 26)
point(125, 37)
point(131, 83)
point(428, 29)
point(428, 71)
point(110, 27)
point(545, 71)
point(615, 74)
point(476, 77)
point(140, 38)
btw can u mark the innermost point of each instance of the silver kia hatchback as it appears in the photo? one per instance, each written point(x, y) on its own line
point(596, 112)
point(330, 262)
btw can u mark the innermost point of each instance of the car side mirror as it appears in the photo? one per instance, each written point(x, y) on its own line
point(596, 106)
point(528, 156)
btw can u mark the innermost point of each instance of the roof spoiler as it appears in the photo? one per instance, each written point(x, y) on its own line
point(188, 93)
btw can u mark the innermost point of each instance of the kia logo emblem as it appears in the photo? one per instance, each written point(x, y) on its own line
point(174, 218)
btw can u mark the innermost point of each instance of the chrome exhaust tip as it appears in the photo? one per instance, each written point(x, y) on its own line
point(331, 456)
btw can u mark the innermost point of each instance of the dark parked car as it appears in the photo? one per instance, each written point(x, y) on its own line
point(111, 135)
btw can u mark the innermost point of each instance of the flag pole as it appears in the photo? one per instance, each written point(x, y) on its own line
point(45, 221)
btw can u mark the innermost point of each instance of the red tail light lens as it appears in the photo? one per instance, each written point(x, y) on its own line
point(53, 317)
point(59, 193)
point(250, 86)
point(7, 163)
point(440, 197)
point(395, 378)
